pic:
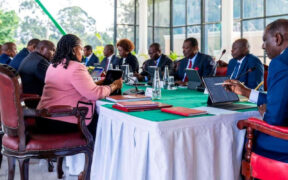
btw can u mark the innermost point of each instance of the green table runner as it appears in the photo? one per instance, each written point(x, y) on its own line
point(180, 97)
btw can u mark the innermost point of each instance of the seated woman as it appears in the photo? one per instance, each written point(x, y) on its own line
point(67, 81)
point(125, 46)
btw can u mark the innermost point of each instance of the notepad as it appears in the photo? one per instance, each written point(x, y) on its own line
point(138, 104)
point(182, 111)
point(123, 98)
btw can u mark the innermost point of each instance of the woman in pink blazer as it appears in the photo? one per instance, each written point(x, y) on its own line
point(67, 81)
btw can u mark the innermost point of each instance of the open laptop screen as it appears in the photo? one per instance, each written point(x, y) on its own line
point(217, 93)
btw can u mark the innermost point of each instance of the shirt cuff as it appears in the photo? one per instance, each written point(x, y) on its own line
point(254, 96)
point(146, 78)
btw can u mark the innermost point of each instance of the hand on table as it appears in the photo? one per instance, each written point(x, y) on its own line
point(117, 84)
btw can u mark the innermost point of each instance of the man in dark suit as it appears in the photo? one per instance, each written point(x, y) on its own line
point(90, 57)
point(156, 59)
point(203, 63)
point(244, 62)
point(275, 43)
point(110, 58)
point(9, 50)
point(15, 63)
point(33, 68)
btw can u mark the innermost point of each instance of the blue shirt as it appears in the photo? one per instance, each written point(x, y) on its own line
point(5, 59)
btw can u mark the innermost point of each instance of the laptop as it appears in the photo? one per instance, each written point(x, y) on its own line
point(220, 98)
point(194, 80)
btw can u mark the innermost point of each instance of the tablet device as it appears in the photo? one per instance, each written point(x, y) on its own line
point(194, 79)
point(111, 76)
point(219, 97)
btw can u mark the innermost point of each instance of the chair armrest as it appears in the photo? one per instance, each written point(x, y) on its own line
point(24, 97)
point(262, 126)
point(57, 111)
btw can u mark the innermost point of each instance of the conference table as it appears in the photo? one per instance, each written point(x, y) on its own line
point(153, 145)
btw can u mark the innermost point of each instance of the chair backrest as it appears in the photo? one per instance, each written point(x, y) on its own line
point(10, 105)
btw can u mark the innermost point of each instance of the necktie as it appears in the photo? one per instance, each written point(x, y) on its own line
point(86, 61)
point(189, 67)
point(235, 72)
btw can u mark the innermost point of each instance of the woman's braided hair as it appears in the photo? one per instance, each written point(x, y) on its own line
point(64, 50)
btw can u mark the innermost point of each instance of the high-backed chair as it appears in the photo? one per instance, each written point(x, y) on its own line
point(256, 166)
point(265, 76)
point(221, 68)
point(22, 144)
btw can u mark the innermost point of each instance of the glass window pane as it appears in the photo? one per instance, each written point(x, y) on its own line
point(252, 8)
point(253, 32)
point(212, 39)
point(194, 31)
point(125, 31)
point(236, 31)
point(178, 39)
point(179, 12)
point(236, 9)
point(150, 38)
point(137, 40)
point(212, 10)
point(150, 12)
point(125, 12)
point(269, 20)
point(276, 7)
point(137, 13)
point(194, 11)
point(162, 13)
point(162, 36)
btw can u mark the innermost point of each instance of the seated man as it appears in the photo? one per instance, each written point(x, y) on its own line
point(110, 57)
point(203, 63)
point(90, 57)
point(242, 63)
point(33, 68)
point(15, 63)
point(156, 59)
point(275, 43)
point(9, 50)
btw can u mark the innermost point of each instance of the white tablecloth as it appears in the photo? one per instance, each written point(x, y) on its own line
point(203, 148)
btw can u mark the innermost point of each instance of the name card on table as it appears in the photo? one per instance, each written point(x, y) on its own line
point(148, 92)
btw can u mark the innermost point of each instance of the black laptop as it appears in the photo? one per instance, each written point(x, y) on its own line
point(110, 77)
point(220, 98)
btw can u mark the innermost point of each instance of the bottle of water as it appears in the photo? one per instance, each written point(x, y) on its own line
point(165, 77)
point(156, 91)
point(126, 74)
point(110, 67)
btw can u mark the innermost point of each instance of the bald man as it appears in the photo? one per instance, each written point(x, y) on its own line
point(31, 45)
point(33, 68)
point(244, 66)
point(110, 57)
point(9, 50)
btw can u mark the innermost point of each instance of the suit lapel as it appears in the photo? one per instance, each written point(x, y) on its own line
point(197, 61)
point(161, 61)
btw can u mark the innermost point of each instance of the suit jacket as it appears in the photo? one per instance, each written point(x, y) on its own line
point(164, 60)
point(32, 72)
point(68, 86)
point(93, 59)
point(276, 108)
point(5, 59)
point(132, 61)
point(251, 79)
point(15, 63)
point(114, 61)
point(204, 63)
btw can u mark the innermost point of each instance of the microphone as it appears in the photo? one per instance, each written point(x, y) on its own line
point(249, 70)
point(223, 52)
point(133, 91)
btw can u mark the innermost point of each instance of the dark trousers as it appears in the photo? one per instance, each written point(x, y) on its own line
point(49, 126)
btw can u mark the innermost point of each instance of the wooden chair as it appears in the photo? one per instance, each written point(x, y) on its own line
point(22, 144)
point(265, 76)
point(256, 166)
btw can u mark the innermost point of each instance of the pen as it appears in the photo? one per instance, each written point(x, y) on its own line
point(218, 84)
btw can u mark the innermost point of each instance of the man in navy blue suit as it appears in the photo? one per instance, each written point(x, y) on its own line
point(90, 57)
point(9, 50)
point(242, 63)
point(203, 63)
point(275, 43)
point(110, 57)
point(15, 63)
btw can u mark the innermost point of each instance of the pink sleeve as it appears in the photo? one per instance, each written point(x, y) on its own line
point(84, 84)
